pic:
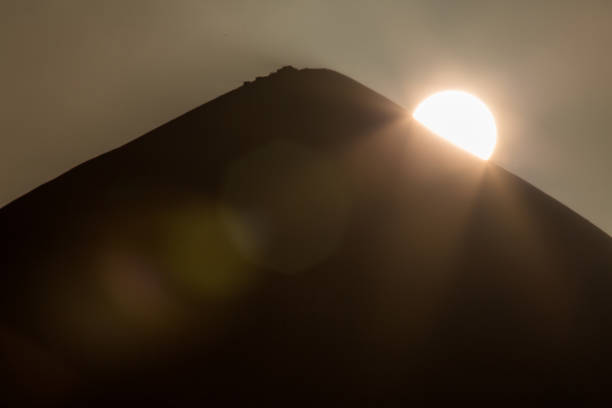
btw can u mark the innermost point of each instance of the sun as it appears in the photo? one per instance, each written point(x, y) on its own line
point(460, 118)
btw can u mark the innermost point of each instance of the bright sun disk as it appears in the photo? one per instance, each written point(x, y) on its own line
point(460, 118)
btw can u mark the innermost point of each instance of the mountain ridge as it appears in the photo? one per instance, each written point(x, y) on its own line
point(302, 235)
point(283, 72)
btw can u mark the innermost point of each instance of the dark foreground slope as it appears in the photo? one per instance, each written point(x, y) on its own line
point(298, 237)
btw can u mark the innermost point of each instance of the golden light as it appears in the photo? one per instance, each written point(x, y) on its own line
point(460, 118)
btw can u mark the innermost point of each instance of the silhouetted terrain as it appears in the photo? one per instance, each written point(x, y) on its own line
point(300, 237)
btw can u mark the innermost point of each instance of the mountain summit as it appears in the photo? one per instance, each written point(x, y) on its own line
point(299, 236)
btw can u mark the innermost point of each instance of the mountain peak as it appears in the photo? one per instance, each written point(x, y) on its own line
point(283, 71)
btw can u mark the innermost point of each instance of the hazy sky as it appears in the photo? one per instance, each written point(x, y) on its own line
point(80, 77)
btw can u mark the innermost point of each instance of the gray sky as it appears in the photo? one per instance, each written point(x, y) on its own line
point(80, 77)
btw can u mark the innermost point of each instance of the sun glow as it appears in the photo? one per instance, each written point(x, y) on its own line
point(460, 118)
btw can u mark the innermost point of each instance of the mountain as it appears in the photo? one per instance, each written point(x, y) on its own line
point(298, 237)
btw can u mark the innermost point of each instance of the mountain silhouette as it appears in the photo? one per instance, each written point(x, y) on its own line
point(298, 237)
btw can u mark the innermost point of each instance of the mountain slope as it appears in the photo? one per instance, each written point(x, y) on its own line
point(300, 235)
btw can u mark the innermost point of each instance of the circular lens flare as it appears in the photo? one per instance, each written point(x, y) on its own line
point(460, 118)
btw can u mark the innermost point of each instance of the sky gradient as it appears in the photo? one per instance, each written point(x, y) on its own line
point(79, 78)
